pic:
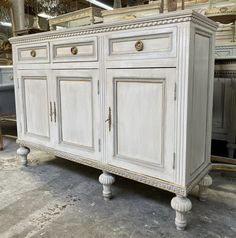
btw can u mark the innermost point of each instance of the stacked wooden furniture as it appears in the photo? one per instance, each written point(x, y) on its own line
point(7, 102)
point(7, 121)
point(132, 98)
point(224, 110)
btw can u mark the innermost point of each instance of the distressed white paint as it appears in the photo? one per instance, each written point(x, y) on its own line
point(181, 205)
point(76, 102)
point(36, 106)
point(42, 53)
point(200, 101)
point(106, 180)
point(86, 50)
point(66, 51)
point(143, 110)
point(157, 43)
point(32, 89)
point(151, 44)
point(160, 99)
point(147, 98)
point(22, 153)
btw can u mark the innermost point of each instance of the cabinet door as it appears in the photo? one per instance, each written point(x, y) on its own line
point(78, 113)
point(141, 106)
point(34, 111)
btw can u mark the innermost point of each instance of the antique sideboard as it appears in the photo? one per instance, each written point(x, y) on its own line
point(224, 99)
point(131, 98)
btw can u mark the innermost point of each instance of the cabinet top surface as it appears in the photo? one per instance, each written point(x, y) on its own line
point(161, 19)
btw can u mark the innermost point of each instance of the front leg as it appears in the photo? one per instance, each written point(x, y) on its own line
point(22, 152)
point(203, 186)
point(181, 205)
point(106, 179)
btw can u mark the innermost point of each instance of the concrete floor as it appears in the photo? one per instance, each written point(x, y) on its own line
point(56, 198)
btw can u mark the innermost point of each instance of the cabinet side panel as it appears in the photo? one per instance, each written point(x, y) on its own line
point(200, 96)
point(199, 106)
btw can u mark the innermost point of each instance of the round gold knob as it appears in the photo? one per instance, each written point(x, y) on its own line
point(74, 50)
point(139, 45)
point(33, 53)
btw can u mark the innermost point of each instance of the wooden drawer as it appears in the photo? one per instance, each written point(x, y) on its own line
point(33, 53)
point(155, 43)
point(83, 49)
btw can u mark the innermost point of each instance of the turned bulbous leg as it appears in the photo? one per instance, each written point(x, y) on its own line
point(203, 186)
point(181, 205)
point(22, 153)
point(106, 179)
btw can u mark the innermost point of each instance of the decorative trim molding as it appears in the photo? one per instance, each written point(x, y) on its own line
point(219, 11)
point(90, 12)
point(162, 19)
point(225, 47)
point(171, 187)
point(225, 73)
point(225, 52)
point(226, 61)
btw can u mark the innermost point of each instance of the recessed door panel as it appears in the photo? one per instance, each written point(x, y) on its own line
point(36, 106)
point(78, 112)
point(134, 99)
point(34, 119)
point(140, 126)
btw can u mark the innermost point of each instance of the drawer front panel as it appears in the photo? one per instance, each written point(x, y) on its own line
point(33, 54)
point(84, 49)
point(159, 43)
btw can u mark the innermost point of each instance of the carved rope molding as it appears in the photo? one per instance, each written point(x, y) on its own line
point(171, 187)
point(225, 61)
point(127, 25)
point(225, 73)
point(225, 47)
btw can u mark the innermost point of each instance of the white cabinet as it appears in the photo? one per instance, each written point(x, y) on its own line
point(35, 100)
point(132, 99)
point(141, 107)
point(61, 109)
point(77, 104)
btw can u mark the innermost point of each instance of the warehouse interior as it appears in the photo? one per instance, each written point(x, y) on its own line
point(117, 118)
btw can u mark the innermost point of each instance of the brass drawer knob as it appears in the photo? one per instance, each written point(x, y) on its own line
point(33, 53)
point(74, 50)
point(139, 45)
